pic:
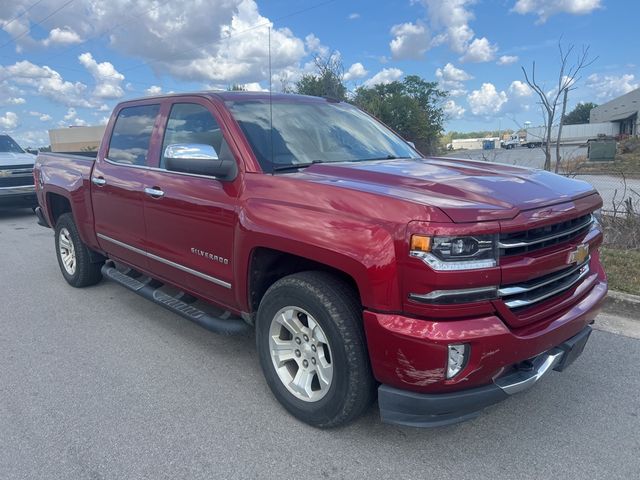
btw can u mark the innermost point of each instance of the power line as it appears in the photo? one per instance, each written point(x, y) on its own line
point(13, 39)
point(22, 14)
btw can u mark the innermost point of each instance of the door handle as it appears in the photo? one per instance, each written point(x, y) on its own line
point(99, 181)
point(154, 192)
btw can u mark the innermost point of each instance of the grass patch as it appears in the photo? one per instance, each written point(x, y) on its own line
point(623, 269)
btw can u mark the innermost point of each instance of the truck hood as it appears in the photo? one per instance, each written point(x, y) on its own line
point(465, 190)
point(9, 159)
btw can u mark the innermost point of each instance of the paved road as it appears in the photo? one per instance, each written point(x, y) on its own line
point(100, 384)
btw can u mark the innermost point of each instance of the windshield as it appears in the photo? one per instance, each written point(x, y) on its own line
point(8, 145)
point(306, 132)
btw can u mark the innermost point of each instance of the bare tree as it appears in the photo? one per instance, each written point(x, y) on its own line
point(568, 76)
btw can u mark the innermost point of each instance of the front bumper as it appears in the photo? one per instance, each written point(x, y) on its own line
point(409, 356)
point(402, 407)
point(20, 196)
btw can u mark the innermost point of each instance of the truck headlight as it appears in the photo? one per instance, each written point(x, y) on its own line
point(456, 253)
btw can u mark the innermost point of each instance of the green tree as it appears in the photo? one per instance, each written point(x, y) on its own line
point(328, 81)
point(580, 114)
point(412, 107)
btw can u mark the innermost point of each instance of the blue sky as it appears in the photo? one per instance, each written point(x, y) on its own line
point(68, 62)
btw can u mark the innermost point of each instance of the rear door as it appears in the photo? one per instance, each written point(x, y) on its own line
point(117, 184)
point(190, 218)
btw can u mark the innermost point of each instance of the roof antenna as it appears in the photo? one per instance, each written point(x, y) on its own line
point(270, 109)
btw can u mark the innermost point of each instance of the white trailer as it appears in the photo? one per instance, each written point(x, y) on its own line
point(571, 134)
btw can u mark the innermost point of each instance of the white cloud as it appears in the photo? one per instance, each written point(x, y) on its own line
point(452, 78)
point(353, 16)
point(449, 23)
point(355, 72)
point(386, 75)
point(507, 59)
point(452, 110)
point(480, 50)
point(411, 41)
point(487, 100)
point(107, 78)
point(46, 82)
point(42, 116)
point(16, 101)
point(62, 36)
point(228, 44)
point(153, 90)
point(519, 89)
point(71, 118)
point(610, 86)
point(547, 8)
point(9, 121)
point(254, 87)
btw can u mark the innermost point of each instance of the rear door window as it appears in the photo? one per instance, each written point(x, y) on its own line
point(132, 134)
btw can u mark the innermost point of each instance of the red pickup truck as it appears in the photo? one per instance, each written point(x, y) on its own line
point(439, 285)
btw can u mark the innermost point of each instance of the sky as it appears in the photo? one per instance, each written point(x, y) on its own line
point(69, 62)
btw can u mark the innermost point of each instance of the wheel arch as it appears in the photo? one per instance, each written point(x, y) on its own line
point(268, 265)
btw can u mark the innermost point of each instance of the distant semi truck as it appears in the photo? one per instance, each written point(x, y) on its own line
point(571, 134)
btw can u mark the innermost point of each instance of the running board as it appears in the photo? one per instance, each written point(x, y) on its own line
point(150, 289)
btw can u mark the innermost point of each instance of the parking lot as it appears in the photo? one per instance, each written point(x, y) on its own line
point(101, 384)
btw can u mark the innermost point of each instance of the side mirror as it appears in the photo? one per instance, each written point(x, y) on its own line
point(199, 159)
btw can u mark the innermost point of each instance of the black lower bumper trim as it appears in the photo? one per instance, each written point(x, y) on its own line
point(402, 407)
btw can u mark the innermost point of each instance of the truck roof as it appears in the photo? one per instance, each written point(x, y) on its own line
point(237, 95)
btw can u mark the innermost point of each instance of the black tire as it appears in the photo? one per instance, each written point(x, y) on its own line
point(336, 308)
point(85, 272)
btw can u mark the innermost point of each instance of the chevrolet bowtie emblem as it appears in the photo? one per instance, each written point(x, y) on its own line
point(5, 173)
point(580, 254)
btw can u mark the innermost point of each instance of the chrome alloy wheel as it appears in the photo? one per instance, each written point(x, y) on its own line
point(67, 251)
point(300, 354)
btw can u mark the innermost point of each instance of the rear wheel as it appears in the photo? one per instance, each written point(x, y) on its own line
point(312, 349)
point(73, 255)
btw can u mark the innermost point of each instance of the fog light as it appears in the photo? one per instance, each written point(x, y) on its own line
point(457, 359)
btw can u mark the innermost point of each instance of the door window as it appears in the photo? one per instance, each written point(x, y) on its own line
point(131, 135)
point(192, 123)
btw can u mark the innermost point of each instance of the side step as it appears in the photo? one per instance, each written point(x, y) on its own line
point(150, 289)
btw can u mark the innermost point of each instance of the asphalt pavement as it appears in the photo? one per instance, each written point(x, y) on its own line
point(101, 384)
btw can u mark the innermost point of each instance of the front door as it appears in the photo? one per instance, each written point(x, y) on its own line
point(190, 218)
point(117, 185)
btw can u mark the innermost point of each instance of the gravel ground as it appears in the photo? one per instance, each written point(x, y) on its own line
point(101, 384)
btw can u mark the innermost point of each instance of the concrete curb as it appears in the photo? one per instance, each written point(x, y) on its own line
point(623, 304)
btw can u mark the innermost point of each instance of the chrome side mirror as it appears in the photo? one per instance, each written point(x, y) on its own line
point(198, 159)
point(191, 151)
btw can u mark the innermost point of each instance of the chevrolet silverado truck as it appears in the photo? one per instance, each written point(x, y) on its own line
point(442, 286)
point(16, 175)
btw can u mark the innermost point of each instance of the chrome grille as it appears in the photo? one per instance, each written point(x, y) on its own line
point(16, 176)
point(533, 291)
point(541, 237)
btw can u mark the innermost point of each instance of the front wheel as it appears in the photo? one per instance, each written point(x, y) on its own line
point(312, 349)
point(73, 255)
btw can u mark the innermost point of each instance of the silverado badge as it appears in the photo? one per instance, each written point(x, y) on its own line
point(580, 254)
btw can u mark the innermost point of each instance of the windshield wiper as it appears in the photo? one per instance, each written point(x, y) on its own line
point(388, 157)
point(293, 166)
